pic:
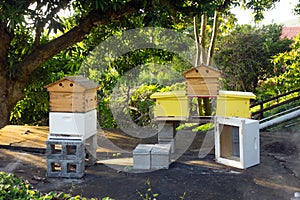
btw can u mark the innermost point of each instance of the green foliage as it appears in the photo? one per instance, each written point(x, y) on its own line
point(34, 108)
point(106, 118)
point(149, 194)
point(195, 127)
point(244, 55)
point(287, 76)
point(204, 127)
point(141, 106)
point(12, 187)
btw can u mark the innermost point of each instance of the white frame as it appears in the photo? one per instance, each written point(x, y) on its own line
point(248, 142)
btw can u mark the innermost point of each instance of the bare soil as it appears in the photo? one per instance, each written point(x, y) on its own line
point(189, 177)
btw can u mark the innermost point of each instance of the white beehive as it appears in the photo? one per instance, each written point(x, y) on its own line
point(142, 156)
point(72, 125)
point(237, 142)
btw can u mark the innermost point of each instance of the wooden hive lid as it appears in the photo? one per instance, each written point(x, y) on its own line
point(202, 71)
point(81, 84)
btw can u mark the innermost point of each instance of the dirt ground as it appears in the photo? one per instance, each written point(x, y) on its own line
point(189, 177)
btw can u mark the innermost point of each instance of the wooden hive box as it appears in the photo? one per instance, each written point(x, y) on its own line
point(202, 81)
point(73, 94)
point(171, 106)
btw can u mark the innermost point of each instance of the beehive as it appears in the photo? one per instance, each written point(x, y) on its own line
point(73, 94)
point(234, 103)
point(202, 81)
point(171, 106)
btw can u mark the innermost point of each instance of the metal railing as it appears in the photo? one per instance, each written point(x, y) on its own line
point(260, 113)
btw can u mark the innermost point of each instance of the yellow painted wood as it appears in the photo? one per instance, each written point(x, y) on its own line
point(171, 104)
point(234, 104)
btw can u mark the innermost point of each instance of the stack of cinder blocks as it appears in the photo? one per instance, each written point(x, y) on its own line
point(156, 156)
point(166, 134)
point(72, 140)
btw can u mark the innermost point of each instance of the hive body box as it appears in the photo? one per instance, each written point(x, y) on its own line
point(73, 94)
point(237, 142)
point(72, 125)
point(202, 81)
point(172, 106)
point(234, 104)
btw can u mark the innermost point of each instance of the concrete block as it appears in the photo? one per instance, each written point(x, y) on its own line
point(166, 130)
point(161, 156)
point(142, 156)
point(65, 149)
point(65, 168)
point(91, 145)
point(168, 141)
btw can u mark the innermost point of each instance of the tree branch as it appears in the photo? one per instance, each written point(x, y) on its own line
point(213, 39)
point(76, 34)
point(225, 5)
point(42, 23)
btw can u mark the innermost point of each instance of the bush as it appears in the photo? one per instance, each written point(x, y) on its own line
point(12, 187)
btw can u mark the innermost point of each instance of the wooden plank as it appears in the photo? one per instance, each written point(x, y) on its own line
point(226, 141)
point(202, 71)
point(170, 118)
point(72, 102)
point(204, 86)
point(66, 86)
point(193, 81)
point(202, 92)
point(208, 72)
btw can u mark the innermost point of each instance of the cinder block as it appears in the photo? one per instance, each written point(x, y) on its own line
point(168, 141)
point(65, 168)
point(91, 145)
point(161, 156)
point(142, 156)
point(65, 149)
point(166, 130)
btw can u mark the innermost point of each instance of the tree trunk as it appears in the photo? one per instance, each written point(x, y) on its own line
point(10, 93)
point(212, 45)
point(203, 38)
point(197, 42)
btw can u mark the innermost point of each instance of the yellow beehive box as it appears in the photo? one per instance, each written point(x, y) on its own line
point(73, 94)
point(202, 81)
point(234, 104)
point(171, 106)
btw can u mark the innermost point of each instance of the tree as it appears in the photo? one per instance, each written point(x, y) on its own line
point(25, 27)
point(244, 55)
point(287, 77)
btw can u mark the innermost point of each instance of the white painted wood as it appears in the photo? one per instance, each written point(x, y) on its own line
point(75, 125)
point(248, 142)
